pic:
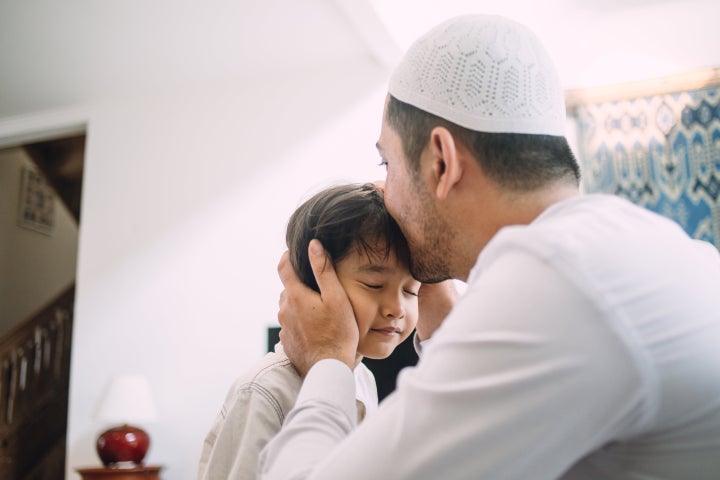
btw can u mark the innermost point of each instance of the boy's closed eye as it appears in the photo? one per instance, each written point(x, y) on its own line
point(374, 286)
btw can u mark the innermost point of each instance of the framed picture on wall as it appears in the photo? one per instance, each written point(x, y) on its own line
point(37, 202)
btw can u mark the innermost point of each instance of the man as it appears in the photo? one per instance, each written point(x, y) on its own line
point(587, 344)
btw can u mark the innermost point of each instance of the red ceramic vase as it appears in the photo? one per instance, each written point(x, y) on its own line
point(123, 444)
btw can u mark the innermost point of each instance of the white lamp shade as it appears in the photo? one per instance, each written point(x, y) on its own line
point(127, 400)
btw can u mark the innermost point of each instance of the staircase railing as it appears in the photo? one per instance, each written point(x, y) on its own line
point(34, 376)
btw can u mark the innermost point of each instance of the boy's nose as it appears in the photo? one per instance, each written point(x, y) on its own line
point(393, 307)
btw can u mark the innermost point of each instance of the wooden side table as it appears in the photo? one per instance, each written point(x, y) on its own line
point(145, 472)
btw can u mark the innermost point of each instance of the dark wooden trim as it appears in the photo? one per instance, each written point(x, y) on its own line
point(694, 80)
point(61, 162)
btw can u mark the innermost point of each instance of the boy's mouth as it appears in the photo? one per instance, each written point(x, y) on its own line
point(387, 331)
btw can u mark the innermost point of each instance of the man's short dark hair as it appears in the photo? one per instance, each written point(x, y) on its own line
point(343, 217)
point(516, 161)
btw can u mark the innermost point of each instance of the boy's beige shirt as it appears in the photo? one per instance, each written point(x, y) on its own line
point(255, 409)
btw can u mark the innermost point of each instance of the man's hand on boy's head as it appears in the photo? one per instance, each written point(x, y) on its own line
point(435, 300)
point(316, 325)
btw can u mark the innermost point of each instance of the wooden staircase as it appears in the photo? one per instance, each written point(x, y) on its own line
point(34, 381)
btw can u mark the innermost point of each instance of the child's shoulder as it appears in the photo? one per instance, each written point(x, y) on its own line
point(273, 365)
point(273, 376)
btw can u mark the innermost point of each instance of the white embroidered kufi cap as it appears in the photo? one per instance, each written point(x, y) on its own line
point(486, 73)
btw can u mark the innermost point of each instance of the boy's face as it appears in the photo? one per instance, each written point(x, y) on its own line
point(383, 295)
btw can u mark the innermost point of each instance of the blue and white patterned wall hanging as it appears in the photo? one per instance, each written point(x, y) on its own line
point(660, 151)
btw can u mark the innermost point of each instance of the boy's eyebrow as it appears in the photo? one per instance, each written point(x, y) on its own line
point(373, 267)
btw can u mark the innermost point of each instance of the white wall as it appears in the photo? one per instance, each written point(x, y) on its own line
point(186, 195)
point(185, 201)
point(34, 267)
point(593, 42)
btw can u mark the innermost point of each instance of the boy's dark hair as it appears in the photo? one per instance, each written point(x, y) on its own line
point(516, 161)
point(343, 217)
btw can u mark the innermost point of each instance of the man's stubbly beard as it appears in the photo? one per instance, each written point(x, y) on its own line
point(430, 256)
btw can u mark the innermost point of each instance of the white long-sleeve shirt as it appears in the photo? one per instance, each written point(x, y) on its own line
point(587, 346)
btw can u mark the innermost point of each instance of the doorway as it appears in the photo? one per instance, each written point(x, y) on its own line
point(40, 190)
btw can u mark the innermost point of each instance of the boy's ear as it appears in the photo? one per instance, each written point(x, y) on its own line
point(446, 165)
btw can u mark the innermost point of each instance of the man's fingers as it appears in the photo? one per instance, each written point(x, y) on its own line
point(435, 302)
point(287, 274)
point(285, 269)
point(323, 268)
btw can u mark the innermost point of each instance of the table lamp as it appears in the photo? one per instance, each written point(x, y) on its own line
point(128, 400)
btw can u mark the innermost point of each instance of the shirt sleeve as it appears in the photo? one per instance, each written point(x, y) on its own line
point(325, 412)
point(250, 420)
point(524, 378)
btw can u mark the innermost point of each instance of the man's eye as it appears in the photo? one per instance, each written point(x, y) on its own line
point(383, 163)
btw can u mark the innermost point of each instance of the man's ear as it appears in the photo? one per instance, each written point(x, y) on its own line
point(446, 164)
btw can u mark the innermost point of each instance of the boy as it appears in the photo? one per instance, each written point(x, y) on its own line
point(371, 258)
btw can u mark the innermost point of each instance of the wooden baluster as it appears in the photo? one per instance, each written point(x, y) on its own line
point(47, 349)
point(67, 346)
point(21, 394)
point(4, 367)
point(32, 388)
point(38, 378)
point(37, 339)
point(11, 388)
point(60, 317)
